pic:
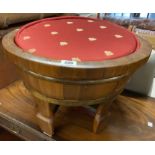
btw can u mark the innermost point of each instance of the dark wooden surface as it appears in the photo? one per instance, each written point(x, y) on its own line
point(17, 113)
point(127, 120)
point(7, 69)
point(7, 136)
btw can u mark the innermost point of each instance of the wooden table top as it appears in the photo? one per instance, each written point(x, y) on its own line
point(131, 117)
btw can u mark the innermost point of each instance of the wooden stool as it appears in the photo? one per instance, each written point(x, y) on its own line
point(87, 64)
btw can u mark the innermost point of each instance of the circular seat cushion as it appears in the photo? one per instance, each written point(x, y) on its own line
point(76, 38)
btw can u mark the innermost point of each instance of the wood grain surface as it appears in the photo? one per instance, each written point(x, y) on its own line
point(7, 136)
point(130, 117)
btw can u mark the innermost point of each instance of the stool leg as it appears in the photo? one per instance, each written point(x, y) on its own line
point(45, 116)
point(101, 114)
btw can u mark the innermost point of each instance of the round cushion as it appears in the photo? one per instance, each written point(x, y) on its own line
point(76, 38)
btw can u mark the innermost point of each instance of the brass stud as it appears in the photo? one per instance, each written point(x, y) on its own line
point(92, 39)
point(54, 33)
point(63, 43)
point(90, 21)
point(26, 37)
point(79, 29)
point(102, 27)
point(32, 50)
point(47, 25)
point(69, 22)
point(118, 36)
point(76, 59)
point(108, 53)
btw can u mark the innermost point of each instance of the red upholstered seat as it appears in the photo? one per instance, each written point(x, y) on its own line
point(76, 38)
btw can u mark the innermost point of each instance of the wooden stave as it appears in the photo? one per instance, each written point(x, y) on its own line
point(41, 87)
point(73, 94)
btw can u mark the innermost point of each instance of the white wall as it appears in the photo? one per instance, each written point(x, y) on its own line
point(143, 80)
